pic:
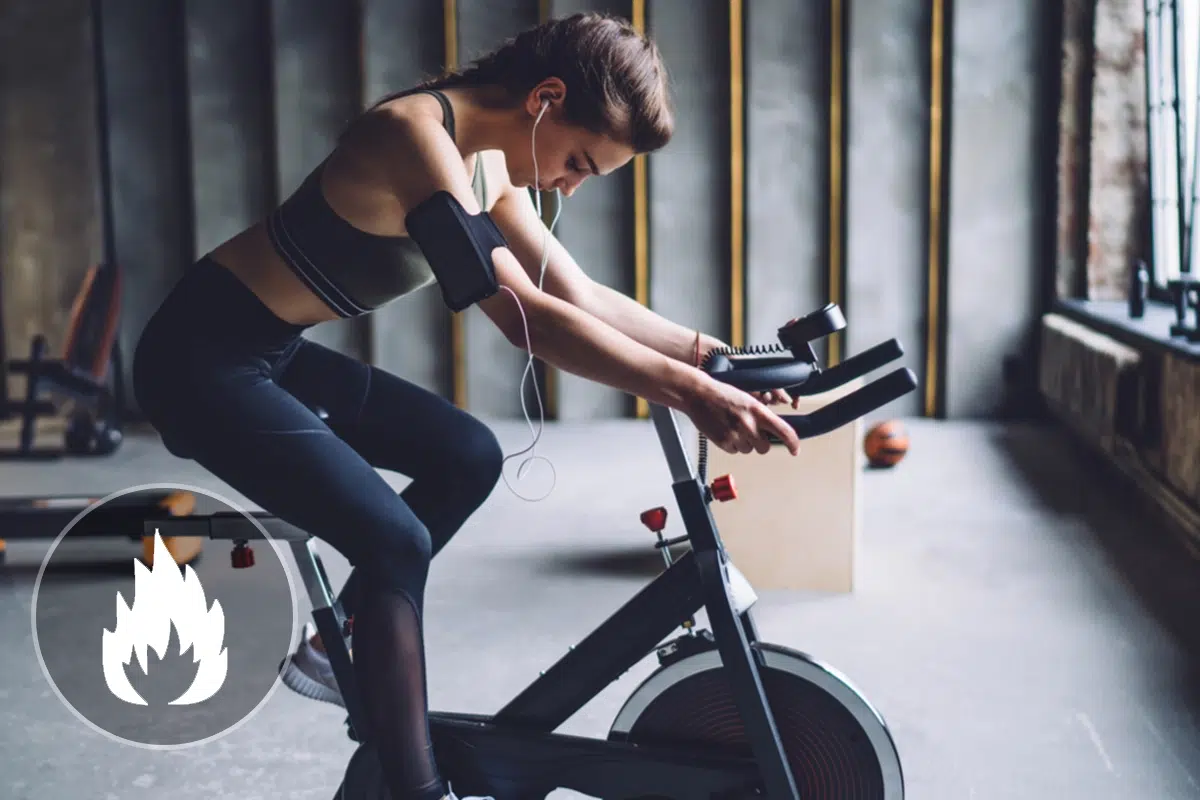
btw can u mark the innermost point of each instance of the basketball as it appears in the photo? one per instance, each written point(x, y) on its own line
point(885, 444)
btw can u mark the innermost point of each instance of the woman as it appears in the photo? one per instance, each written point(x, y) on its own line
point(225, 376)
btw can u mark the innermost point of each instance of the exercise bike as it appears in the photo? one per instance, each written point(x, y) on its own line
point(725, 714)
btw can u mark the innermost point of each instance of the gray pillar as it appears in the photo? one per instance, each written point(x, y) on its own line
point(596, 226)
point(232, 124)
point(887, 183)
point(403, 43)
point(689, 179)
point(995, 196)
point(494, 367)
point(787, 164)
point(49, 180)
point(145, 86)
point(318, 92)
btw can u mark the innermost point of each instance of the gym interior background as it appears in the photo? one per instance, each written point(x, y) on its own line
point(982, 179)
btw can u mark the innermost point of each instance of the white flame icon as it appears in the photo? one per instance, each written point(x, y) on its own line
point(162, 597)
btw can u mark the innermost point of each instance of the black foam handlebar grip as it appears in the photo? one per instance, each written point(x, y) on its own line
point(774, 374)
point(854, 405)
point(854, 367)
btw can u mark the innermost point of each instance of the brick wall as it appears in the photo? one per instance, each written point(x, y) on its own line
point(1118, 193)
point(1072, 146)
point(1102, 147)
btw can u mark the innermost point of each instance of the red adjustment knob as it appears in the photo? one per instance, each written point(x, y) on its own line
point(724, 489)
point(242, 556)
point(655, 519)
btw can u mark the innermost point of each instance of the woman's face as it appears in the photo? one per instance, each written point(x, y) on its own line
point(566, 155)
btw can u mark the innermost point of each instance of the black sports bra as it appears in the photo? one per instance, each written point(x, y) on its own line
point(352, 271)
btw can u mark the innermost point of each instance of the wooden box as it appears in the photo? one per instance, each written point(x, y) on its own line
point(795, 522)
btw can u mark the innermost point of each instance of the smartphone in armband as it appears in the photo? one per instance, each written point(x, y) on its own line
point(458, 247)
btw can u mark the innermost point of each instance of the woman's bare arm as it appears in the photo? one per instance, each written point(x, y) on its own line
point(558, 332)
point(564, 278)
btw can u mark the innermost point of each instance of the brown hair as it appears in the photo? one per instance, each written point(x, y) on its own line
point(616, 81)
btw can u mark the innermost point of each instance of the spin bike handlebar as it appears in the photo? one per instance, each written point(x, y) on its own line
point(799, 374)
point(854, 367)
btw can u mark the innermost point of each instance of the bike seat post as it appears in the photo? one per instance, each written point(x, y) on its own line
point(333, 627)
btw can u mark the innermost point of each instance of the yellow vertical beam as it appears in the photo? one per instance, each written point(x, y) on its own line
point(737, 176)
point(937, 110)
point(837, 55)
point(458, 334)
point(641, 216)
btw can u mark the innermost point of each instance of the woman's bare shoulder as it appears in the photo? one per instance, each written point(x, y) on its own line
point(408, 146)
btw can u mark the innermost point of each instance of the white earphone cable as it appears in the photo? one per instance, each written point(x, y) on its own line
point(522, 470)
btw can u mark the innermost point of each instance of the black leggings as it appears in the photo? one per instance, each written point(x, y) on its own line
point(230, 385)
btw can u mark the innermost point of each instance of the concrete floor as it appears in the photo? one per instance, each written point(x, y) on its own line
point(1025, 627)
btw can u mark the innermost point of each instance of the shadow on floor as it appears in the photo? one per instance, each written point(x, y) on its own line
point(1076, 483)
point(642, 562)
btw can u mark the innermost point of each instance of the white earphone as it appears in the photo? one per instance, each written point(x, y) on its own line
point(537, 434)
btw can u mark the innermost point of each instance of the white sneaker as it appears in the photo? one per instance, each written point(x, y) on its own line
point(308, 673)
point(450, 795)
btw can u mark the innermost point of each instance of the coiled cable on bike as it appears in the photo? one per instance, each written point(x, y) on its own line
point(728, 350)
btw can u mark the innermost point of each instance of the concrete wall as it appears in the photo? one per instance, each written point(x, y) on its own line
point(998, 198)
point(493, 366)
point(230, 117)
point(218, 108)
point(887, 164)
point(1103, 187)
point(787, 163)
point(144, 89)
point(50, 222)
point(597, 226)
point(317, 92)
point(402, 44)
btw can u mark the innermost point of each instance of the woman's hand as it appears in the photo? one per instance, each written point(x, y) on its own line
point(776, 396)
point(736, 421)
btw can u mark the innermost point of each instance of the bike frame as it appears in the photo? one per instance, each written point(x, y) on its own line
point(518, 752)
point(700, 579)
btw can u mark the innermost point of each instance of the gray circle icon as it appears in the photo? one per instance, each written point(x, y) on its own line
point(172, 646)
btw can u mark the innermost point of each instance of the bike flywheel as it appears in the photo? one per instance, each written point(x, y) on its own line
point(838, 747)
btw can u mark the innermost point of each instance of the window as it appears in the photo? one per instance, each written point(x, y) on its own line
point(1172, 62)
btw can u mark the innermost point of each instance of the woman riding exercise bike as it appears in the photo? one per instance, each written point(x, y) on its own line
point(226, 377)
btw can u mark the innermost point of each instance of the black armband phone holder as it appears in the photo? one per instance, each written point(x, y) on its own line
point(458, 247)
